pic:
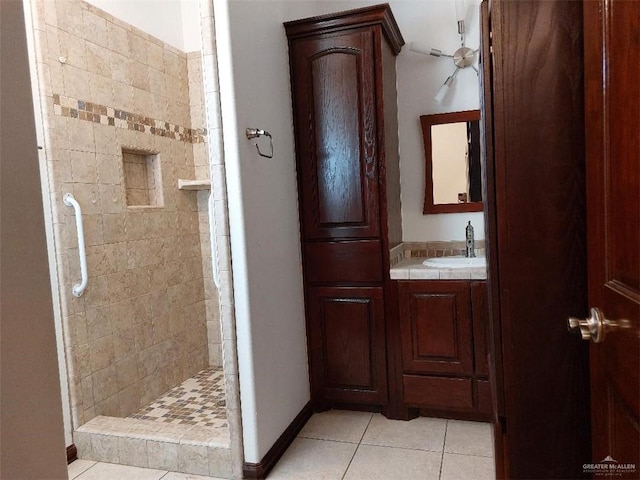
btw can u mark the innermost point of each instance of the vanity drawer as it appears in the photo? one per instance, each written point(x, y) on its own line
point(348, 261)
point(438, 392)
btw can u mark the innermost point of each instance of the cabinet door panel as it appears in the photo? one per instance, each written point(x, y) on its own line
point(346, 329)
point(334, 109)
point(435, 325)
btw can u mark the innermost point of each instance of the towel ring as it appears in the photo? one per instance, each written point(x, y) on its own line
point(256, 133)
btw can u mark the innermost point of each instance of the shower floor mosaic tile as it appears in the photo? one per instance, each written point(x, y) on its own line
point(199, 400)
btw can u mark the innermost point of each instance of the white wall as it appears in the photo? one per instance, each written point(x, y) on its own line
point(433, 23)
point(263, 212)
point(175, 22)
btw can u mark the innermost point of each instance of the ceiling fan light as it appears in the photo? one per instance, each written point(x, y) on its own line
point(442, 92)
point(421, 48)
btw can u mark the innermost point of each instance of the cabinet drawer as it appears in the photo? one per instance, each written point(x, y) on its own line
point(438, 392)
point(350, 261)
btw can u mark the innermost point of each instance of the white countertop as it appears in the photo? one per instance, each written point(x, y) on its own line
point(413, 269)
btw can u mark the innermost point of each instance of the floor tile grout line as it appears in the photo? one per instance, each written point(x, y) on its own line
point(357, 447)
point(406, 448)
point(470, 454)
point(326, 439)
point(395, 447)
point(365, 429)
point(444, 447)
point(85, 470)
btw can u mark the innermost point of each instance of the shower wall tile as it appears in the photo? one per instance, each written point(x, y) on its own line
point(54, 80)
point(97, 25)
point(104, 381)
point(155, 56)
point(70, 17)
point(96, 56)
point(124, 93)
point(138, 48)
point(84, 168)
point(128, 399)
point(140, 326)
point(81, 136)
point(76, 83)
point(73, 49)
point(60, 174)
point(117, 39)
point(102, 355)
point(98, 323)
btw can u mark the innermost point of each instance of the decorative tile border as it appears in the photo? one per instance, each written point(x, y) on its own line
point(94, 112)
point(396, 255)
point(437, 249)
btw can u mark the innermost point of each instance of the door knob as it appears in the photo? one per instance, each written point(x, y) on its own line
point(596, 326)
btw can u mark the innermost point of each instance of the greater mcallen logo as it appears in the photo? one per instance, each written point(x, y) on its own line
point(609, 466)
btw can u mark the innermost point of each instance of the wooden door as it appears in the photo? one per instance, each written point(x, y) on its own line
point(536, 236)
point(347, 342)
point(612, 79)
point(334, 110)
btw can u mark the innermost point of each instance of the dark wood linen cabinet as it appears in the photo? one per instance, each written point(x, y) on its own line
point(345, 119)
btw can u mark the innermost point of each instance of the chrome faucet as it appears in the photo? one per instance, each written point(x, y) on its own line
point(471, 246)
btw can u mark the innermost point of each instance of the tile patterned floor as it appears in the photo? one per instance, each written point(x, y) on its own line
point(89, 470)
point(344, 445)
point(200, 400)
point(339, 445)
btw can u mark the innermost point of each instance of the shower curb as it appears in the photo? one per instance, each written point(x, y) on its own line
point(150, 444)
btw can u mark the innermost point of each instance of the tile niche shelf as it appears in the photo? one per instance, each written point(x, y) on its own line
point(194, 184)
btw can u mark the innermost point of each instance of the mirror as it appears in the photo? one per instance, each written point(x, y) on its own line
point(453, 181)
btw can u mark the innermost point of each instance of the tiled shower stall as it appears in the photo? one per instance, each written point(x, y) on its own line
point(125, 117)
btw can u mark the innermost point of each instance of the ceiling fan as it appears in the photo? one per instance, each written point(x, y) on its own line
point(463, 57)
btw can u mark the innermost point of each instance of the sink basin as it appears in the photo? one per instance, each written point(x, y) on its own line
point(455, 262)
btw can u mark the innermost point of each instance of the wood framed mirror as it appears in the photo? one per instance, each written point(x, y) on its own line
point(453, 178)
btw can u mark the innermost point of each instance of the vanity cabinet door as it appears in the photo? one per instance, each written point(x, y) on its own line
point(435, 327)
point(347, 342)
point(334, 109)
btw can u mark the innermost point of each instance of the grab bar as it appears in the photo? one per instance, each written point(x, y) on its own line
point(70, 201)
point(213, 229)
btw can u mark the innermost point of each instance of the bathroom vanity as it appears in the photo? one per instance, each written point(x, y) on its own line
point(442, 318)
